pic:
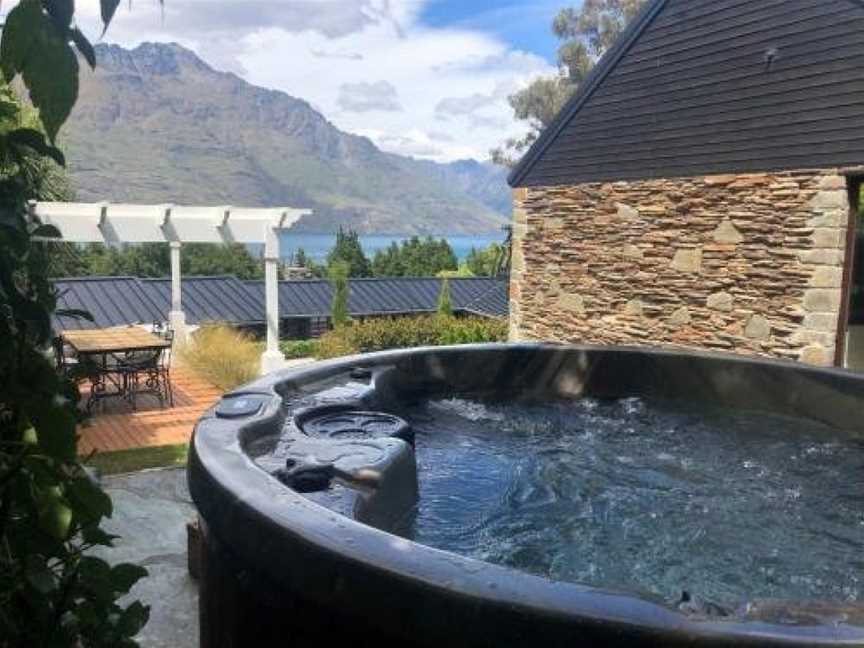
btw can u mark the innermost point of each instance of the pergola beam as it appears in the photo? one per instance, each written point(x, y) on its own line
point(114, 224)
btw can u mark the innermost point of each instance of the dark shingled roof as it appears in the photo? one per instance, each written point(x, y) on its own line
point(115, 301)
point(209, 299)
point(112, 301)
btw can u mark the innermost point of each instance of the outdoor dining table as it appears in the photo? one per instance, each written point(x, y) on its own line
point(98, 350)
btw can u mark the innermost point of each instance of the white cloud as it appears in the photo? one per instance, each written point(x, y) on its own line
point(366, 97)
point(460, 106)
point(319, 50)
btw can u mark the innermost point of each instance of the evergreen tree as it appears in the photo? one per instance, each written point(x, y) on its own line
point(487, 262)
point(300, 259)
point(339, 280)
point(348, 249)
point(415, 257)
point(208, 259)
point(153, 260)
point(445, 304)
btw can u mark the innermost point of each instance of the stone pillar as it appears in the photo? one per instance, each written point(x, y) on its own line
point(176, 316)
point(825, 258)
point(517, 263)
point(272, 359)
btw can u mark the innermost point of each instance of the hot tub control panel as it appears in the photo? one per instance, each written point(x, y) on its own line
point(241, 405)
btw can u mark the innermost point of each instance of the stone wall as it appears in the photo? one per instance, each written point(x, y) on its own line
point(749, 263)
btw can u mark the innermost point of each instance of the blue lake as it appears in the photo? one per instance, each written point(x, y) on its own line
point(316, 246)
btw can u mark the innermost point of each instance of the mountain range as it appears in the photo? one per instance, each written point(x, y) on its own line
point(157, 124)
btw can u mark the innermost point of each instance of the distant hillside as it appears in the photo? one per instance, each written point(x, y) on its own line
point(157, 124)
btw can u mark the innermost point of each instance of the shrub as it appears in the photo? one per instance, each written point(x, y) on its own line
point(300, 348)
point(472, 330)
point(393, 333)
point(445, 304)
point(222, 355)
point(339, 280)
point(335, 344)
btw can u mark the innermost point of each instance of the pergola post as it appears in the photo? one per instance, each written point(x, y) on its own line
point(176, 316)
point(272, 359)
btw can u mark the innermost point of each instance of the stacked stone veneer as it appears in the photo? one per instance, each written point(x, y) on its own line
point(747, 263)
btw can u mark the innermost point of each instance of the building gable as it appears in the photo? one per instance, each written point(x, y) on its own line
point(698, 87)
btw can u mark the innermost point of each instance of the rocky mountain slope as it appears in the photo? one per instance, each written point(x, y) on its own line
point(157, 124)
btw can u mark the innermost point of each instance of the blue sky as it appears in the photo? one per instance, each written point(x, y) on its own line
point(425, 78)
point(525, 24)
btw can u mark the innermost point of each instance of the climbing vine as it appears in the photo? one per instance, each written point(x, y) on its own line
point(53, 591)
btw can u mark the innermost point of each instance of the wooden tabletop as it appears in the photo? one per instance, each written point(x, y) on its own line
point(112, 340)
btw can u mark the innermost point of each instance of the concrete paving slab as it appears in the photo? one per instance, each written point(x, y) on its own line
point(151, 509)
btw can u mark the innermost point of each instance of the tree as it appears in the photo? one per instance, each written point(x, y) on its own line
point(445, 304)
point(300, 260)
point(488, 262)
point(537, 105)
point(153, 260)
point(415, 257)
point(207, 259)
point(339, 280)
point(348, 249)
point(586, 34)
point(53, 592)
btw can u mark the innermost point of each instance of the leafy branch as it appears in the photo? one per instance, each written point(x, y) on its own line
point(52, 591)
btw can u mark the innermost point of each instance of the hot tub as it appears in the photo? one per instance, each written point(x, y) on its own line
point(534, 495)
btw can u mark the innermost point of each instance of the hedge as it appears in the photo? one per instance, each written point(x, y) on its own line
point(380, 334)
point(299, 348)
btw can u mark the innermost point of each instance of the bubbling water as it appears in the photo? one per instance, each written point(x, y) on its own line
point(645, 497)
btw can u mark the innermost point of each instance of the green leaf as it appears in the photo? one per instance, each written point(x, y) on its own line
point(89, 502)
point(125, 575)
point(55, 517)
point(95, 575)
point(30, 437)
point(133, 619)
point(61, 12)
point(55, 427)
point(84, 46)
point(51, 76)
point(35, 140)
point(96, 536)
point(75, 313)
point(46, 231)
point(36, 318)
point(38, 575)
point(19, 32)
point(108, 9)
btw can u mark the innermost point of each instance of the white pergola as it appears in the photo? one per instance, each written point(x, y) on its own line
point(114, 224)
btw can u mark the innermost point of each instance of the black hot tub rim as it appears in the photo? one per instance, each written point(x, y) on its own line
point(275, 531)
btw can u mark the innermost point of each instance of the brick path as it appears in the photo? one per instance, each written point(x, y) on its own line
point(119, 428)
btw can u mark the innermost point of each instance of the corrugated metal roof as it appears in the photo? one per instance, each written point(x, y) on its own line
point(112, 301)
point(210, 299)
point(115, 301)
point(390, 296)
point(495, 302)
